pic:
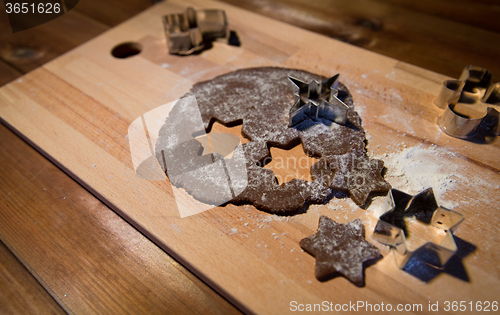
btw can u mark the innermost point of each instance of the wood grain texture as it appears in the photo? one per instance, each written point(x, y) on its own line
point(107, 267)
point(21, 293)
point(174, 288)
point(112, 12)
point(481, 14)
point(8, 73)
point(34, 47)
point(441, 36)
point(251, 257)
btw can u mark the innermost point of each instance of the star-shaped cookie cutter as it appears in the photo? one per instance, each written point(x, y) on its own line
point(391, 228)
point(316, 100)
point(469, 104)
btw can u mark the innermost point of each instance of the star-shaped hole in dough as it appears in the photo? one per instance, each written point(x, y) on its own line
point(340, 249)
point(317, 101)
point(221, 139)
point(289, 164)
point(352, 172)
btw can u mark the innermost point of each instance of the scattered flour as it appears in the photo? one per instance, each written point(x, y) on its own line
point(417, 168)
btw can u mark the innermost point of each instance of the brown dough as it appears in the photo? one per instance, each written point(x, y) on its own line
point(261, 98)
point(352, 172)
point(340, 249)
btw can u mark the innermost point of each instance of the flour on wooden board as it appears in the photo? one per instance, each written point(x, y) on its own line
point(416, 168)
point(412, 170)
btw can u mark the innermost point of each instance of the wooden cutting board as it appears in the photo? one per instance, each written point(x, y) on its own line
point(77, 110)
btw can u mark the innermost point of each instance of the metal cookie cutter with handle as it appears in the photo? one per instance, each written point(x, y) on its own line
point(471, 104)
point(189, 31)
point(416, 227)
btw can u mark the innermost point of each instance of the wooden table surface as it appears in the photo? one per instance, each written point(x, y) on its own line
point(79, 238)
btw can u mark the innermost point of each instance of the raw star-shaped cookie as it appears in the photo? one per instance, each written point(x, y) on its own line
point(340, 249)
point(352, 172)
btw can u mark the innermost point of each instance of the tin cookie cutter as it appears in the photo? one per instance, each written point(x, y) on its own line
point(317, 100)
point(437, 243)
point(471, 104)
point(189, 31)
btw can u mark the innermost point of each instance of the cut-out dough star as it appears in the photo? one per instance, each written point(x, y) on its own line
point(317, 100)
point(352, 172)
point(340, 249)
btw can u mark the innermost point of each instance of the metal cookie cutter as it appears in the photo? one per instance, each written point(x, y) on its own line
point(438, 244)
point(317, 100)
point(471, 104)
point(188, 32)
